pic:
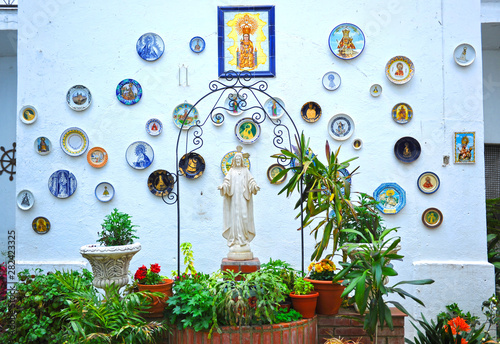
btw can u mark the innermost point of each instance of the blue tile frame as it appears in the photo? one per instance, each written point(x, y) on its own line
point(271, 72)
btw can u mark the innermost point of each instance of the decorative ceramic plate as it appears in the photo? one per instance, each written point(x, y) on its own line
point(129, 92)
point(428, 182)
point(341, 127)
point(43, 145)
point(432, 217)
point(28, 114)
point(407, 149)
point(225, 164)
point(464, 54)
point(310, 112)
point(197, 44)
point(391, 198)
point(160, 183)
point(140, 155)
point(346, 41)
point(180, 113)
point(104, 192)
point(273, 171)
point(357, 144)
point(150, 46)
point(346, 174)
point(218, 119)
point(154, 127)
point(247, 130)
point(402, 113)
point(25, 200)
point(233, 104)
point(399, 70)
point(97, 157)
point(41, 225)
point(275, 108)
point(62, 184)
point(375, 90)
point(74, 141)
point(192, 165)
point(331, 81)
point(78, 98)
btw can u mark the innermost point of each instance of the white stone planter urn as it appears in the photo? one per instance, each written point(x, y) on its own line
point(110, 263)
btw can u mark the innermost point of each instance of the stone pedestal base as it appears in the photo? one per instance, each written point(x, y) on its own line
point(243, 266)
point(238, 252)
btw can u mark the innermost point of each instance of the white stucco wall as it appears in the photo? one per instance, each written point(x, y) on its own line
point(65, 44)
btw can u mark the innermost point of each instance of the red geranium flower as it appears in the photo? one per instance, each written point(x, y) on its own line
point(155, 268)
point(141, 273)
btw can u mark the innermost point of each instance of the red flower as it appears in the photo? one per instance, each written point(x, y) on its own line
point(155, 268)
point(458, 324)
point(463, 341)
point(141, 273)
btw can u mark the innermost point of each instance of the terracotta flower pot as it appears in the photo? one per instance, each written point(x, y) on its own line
point(159, 303)
point(305, 304)
point(329, 299)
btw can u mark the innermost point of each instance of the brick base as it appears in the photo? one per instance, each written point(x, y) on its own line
point(243, 266)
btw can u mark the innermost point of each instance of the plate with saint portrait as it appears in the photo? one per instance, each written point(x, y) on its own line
point(43, 145)
point(341, 127)
point(275, 108)
point(62, 184)
point(150, 46)
point(28, 114)
point(310, 112)
point(234, 104)
point(140, 155)
point(185, 116)
point(331, 81)
point(25, 200)
point(432, 217)
point(104, 192)
point(97, 157)
point(407, 149)
point(247, 130)
point(464, 54)
point(160, 183)
point(346, 41)
point(192, 165)
point(391, 198)
point(197, 44)
point(227, 159)
point(41, 225)
point(428, 182)
point(129, 92)
point(402, 113)
point(273, 171)
point(399, 70)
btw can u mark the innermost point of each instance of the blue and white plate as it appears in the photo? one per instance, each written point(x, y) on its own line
point(74, 141)
point(341, 127)
point(331, 81)
point(391, 198)
point(104, 192)
point(129, 91)
point(275, 108)
point(62, 184)
point(154, 127)
point(140, 155)
point(150, 46)
point(197, 44)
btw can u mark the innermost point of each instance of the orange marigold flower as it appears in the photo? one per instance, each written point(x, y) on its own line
point(318, 267)
point(458, 324)
point(310, 267)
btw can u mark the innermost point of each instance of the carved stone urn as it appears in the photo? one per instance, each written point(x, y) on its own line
point(110, 263)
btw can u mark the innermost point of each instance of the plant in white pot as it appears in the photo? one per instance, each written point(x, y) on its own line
point(110, 260)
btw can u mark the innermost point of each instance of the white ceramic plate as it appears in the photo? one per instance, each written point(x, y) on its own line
point(25, 200)
point(74, 141)
point(28, 114)
point(104, 192)
point(341, 127)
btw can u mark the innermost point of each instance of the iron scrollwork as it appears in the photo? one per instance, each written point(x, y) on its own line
point(8, 161)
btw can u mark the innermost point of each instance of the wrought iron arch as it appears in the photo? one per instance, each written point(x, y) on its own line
point(239, 85)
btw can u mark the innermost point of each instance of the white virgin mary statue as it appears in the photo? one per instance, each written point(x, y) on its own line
point(237, 189)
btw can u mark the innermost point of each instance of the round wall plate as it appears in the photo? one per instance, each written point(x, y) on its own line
point(97, 157)
point(192, 165)
point(399, 70)
point(28, 114)
point(140, 155)
point(247, 131)
point(74, 141)
point(310, 112)
point(43, 145)
point(275, 108)
point(346, 41)
point(160, 183)
point(341, 127)
point(464, 54)
point(273, 171)
point(62, 184)
point(197, 44)
point(129, 92)
point(428, 182)
point(357, 143)
point(185, 116)
point(78, 98)
point(150, 46)
point(407, 149)
point(104, 192)
point(331, 81)
point(376, 90)
point(154, 127)
point(25, 200)
point(432, 217)
point(41, 225)
point(402, 113)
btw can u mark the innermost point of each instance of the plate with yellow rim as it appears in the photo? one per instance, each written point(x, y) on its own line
point(225, 164)
point(74, 141)
point(399, 70)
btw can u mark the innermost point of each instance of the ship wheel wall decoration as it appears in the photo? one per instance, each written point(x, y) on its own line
point(8, 161)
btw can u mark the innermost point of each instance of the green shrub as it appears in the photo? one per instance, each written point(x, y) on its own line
point(284, 316)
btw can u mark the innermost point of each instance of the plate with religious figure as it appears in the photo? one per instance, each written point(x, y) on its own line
point(331, 81)
point(346, 41)
point(233, 104)
point(62, 184)
point(275, 108)
point(140, 155)
point(192, 165)
point(41, 225)
point(341, 127)
point(464, 54)
point(391, 198)
point(129, 92)
point(399, 70)
point(97, 157)
point(186, 114)
point(357, 144)
point(217, 119)
point(28, 114)
point(227, 159)
point(160, 183)
point(428, 182)
point(25, 200)
point(407, 149)
point(310, 112)
point(79, 98)
point(402, 113)
point(197, 44)
point(375, 90)
point(104, 192)
point(154, 127)
point(432, 217)
point(273, 171)
point(150, 46)
point(247, 130)
point(43, 145)
point(74, 141)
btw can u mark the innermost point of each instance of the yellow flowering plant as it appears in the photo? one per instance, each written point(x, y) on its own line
point(324, 270)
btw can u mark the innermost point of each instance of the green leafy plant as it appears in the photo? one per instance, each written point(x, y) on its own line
point(150, 276)
point(117, 229)
point(287, 316)
point(491, 310)
point(493, 230)
point(302, 287)
point(187, 252)
point(282, 270)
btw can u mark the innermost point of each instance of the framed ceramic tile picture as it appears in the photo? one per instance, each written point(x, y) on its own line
point(465, 147)
point(246, 40)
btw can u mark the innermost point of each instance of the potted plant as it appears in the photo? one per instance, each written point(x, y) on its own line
point(304, 297)
point(321, 275)
point(286, 273)
point(150, 280)
point(110, 260)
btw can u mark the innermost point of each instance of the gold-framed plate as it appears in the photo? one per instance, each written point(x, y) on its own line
point(161, 183)
point(273, 171)
point(41, 225)
point(310, 112)
point(432, 217)
point(191, 165)
point(399, 70)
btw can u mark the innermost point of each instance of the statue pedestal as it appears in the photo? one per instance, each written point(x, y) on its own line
point(243, 266)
